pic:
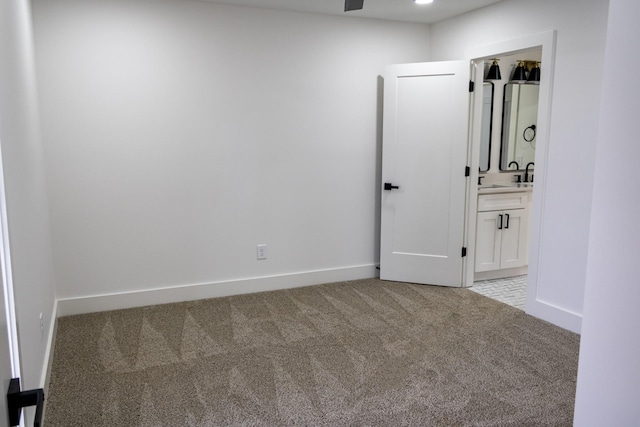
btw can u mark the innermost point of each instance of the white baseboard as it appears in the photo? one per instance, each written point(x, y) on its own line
point(48, 357)
point(116, 301)
point(499, 274)
point(48, 352)
point(556, 315)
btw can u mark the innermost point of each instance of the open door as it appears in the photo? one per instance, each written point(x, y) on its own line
point(424, 157)
point(15, 399)
point(5, 359)
point(8, 352)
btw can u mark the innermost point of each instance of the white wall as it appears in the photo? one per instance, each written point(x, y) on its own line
point(581, 27)
point(609, 372)
point(181, 134)
point(24, 179)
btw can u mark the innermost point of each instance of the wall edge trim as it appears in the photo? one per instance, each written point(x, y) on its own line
point(50, 347)
point(180, 293)
point(559, 316)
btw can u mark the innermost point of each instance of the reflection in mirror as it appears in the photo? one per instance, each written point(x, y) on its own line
point(519, 120)
point(487, 115)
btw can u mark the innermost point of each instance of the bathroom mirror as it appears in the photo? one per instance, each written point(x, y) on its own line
point(487, 115)
point(519, 121)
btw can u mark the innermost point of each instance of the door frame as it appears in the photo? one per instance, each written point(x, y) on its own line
point(7, 286)
point(477, 57)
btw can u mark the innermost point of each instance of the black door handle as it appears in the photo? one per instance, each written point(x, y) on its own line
point(507, 225)
point(388, 186)
point(500, 225)
point(16, 400)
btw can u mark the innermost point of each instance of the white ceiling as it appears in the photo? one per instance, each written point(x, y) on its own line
point(396, 10)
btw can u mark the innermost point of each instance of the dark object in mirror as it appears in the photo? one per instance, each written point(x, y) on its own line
point(494, 71)
point(534, 75)
point(519, 74)
point(486, 128)
point(529, 133)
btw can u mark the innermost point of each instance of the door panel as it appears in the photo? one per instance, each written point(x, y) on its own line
point(9, 345)
point(424, 153)
point(5, 358)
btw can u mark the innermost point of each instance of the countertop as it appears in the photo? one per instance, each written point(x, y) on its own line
point(504, 188)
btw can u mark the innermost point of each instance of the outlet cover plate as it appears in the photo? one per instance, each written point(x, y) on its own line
point(261, 252)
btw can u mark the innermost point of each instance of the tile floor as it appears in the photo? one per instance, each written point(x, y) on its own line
point(509, 290)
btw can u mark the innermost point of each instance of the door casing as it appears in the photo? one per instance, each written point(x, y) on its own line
point(9, 345)
point(477, 56)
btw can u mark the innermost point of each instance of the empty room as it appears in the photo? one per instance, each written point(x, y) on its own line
point(286, 212)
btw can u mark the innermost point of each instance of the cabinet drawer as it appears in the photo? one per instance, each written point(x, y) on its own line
point(500, 201)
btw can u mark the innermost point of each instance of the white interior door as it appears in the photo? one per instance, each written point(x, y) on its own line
point(5, 360)
point(425, 140)
point(9, 351)
point(9, 364)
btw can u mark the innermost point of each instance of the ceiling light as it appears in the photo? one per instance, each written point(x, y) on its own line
point(423, 1)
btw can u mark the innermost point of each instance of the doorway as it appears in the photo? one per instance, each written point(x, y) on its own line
point(540, 46)
point(506, 170)
point(464, 249)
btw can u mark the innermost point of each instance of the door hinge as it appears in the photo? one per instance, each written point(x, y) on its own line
point(464, 252)
point(472, 86)
point(467, 171)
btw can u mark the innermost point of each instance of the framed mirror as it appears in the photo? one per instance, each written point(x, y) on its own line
point(519, 120)
point(487, 119)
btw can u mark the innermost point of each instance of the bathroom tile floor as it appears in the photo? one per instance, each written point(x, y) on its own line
point(509, 290)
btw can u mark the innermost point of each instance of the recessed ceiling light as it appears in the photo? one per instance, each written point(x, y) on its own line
point(423, 1)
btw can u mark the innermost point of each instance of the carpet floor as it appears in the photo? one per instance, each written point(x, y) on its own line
point(359, 353)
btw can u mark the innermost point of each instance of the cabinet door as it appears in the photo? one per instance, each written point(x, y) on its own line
point(488, 240)
point(514, 252)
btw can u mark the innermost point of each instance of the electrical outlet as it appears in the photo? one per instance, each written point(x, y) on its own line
point(41, 328)
point(261, 252)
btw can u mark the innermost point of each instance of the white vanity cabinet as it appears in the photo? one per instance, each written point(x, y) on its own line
point(502, 231)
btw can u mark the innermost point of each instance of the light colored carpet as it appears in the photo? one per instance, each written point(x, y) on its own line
point(361, 353)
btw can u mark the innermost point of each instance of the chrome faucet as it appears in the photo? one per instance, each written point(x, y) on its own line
point(526, 173)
